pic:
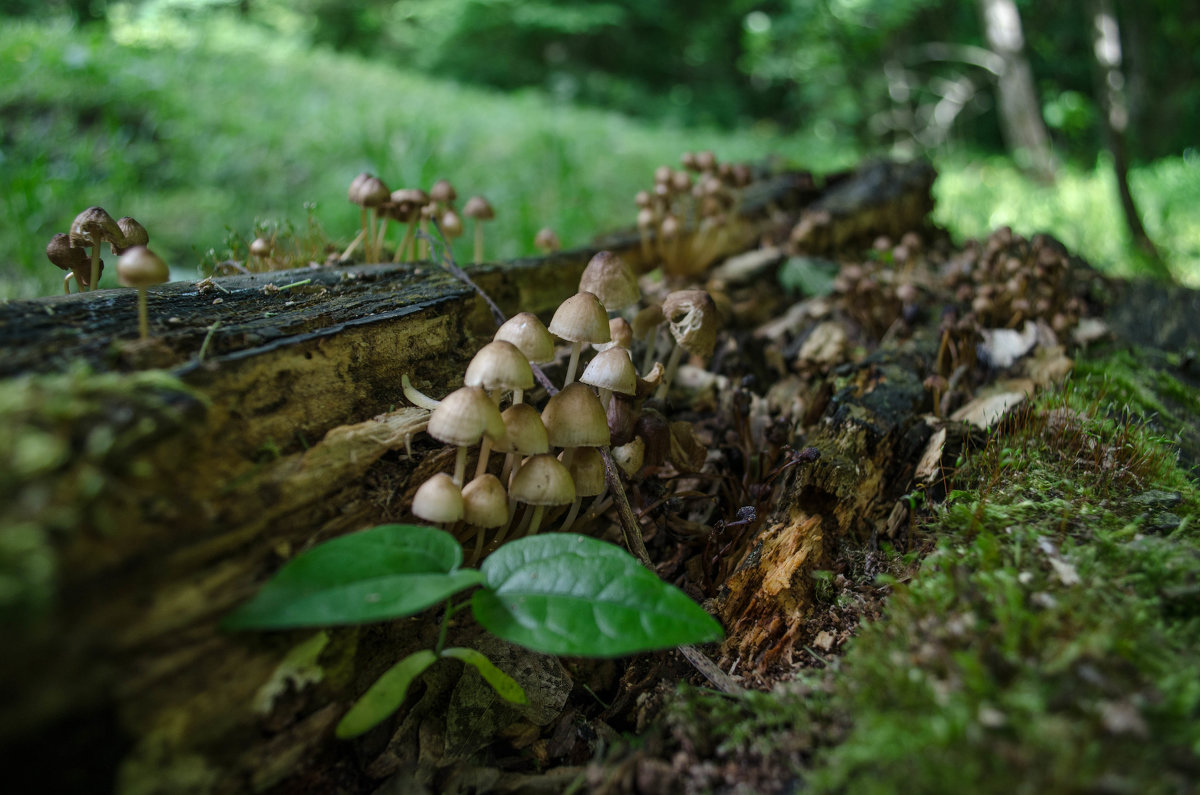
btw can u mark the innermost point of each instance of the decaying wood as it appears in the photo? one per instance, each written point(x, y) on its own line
point(291, 434)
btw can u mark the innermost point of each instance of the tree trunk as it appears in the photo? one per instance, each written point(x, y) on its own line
point(1107, 48)
point(1017, 100)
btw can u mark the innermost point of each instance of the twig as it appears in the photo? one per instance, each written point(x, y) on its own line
point(629, 523)
point(445, 255)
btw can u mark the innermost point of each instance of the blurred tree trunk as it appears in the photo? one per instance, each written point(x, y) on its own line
point(1020, 111)
point(1107, 48)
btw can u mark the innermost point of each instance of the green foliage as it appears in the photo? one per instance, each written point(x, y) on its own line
point(560, 593)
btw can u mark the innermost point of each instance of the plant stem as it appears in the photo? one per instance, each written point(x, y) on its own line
point(451, 609)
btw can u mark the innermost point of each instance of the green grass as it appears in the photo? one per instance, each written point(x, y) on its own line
point(202, 130)
point(1046, 644)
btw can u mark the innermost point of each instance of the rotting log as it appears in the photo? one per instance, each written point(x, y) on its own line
point(178, 501)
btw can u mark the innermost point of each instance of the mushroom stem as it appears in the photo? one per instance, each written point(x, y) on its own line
point(672, 366)
point(67, 283)
point(573, 365)
point(365, 234)
point(143, 315)
point(353, 244)
point(381, 238)
point(406, 243)
point(571, 514)
point(460, 465)
point(478, 242)
point(416, 396)
point(536, 521)
point(485, 450)
point(651, 347)
point(95, 277)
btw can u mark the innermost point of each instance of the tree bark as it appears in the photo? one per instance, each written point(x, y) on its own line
point(1017, 100)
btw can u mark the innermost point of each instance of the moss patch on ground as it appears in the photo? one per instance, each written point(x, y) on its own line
point(1045, 644)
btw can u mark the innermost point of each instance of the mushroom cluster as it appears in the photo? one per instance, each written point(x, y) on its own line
point(553, 457)
point(415, 209)
point(690, 215)
point(91, 229)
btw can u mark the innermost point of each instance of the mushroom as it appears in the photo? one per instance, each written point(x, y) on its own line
point(692, 317)
point(442, 194)
point(610, 279)
point(546, 241)
point(485, 505)
point(452, 227)
point(542, 480)
point(579, 319)
point(438, 500)
point(524, 434)
point(645, 327)
point(497, 367)
point(141, 268)
point(530, 335)
point(135, 235)
point(92, 227)
point(368, 191)
point(75, 260)
point(260, 250)
point(407, 204)
point(464, 417)
point(479, 210)
point(587, 473)
point(629, 456)
point(610, 371)
point(620, 334)
point(574, 418)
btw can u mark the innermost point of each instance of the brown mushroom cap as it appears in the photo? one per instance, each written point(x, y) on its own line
point(546, 240)
point(452, 225)
point(372, 193)
point(135, 234)
point(356, 186)
point(530, 335)
point(499, 365)
point(610, 279)
point(140, 267)
point(692, 316)
point(438, 500)
point(94, 226)
point(465, 416)
point(478, 208)
point(60, 252)
point(485, 503)
point(543, 480)
point(525, 433)
point(443, 192)
point(611, 369)
point(587, 471)
point(620, 335)
point(575, 417)
point(580, 318)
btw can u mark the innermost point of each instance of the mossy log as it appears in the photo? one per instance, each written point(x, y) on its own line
point(145, 506)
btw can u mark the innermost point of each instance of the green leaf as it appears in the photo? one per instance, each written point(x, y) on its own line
point(501, 682)
point(808, 276)
point(563, 593)
point(385, 696)
point(384, 572)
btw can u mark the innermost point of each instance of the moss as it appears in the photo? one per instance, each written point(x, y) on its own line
point(73, 437)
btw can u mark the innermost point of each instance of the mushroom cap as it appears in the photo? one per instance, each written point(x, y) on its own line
point(499, 365)
point(485, 503)
point(620, 334)
point(135, 234)
point(356, 186)
point(452, 225)
point(580, 318)
point(546, 240)
point(373, 192)
point(93, 226)
point(465, 416)
point(479, 208)
point(692, 316)
point(611, 369)
point(438, 500)
point(140, 267)
point(610, 279)
point(525, 433)
point(645, 218)
point(414, 196)
point(575, 418)
point(543, 480)
point(529, 334)
point(261, 247)
point(669, 229)
point(443, 192)
point(630, 457)
point(706, 160)
point(587, 471)
point(60, 252)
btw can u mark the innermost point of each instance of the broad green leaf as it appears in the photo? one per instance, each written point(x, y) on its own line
point(808, 276)
point(563, 593)
point(384, 572)
point(385, 696)
point(501, 682)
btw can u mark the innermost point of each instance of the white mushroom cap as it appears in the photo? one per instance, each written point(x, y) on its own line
point(543, 480)
point(529, 335)
point(575, 418)
point(485, 503)
point(438, 500)
point(581, 318)
point(499, 365)
point(629, 457)
point(525, 431)
point(587, 471)
point(611, 280)
point(465, 416)
point(611, 369)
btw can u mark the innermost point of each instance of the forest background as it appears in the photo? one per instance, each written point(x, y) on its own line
point(214, 120)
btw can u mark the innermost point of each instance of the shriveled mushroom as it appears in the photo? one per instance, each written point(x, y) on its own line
point(610, 279)
point(692, 318)
point(74, 260)
point(92, 227)
point(135, 235)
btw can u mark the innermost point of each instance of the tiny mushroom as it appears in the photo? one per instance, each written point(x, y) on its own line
point(75, 260)
point(141, 268)
point(438, 500)
point(574, 418)
point(610, 279)
point(692, 317)
point(587, 472)
point(546, 241)
point(498, 367)
point(530, 335)
point(135, 235)
point(542, 480)
point(92, 227)
point(579, 319)
point(408, 203)
point(485, 505)
point(479, 210)
point(464, 417)
point(610, 371)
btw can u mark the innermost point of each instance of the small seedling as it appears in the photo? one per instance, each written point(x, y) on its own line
point(557, 594)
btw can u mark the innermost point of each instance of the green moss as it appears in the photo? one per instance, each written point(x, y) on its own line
point(73, 437)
